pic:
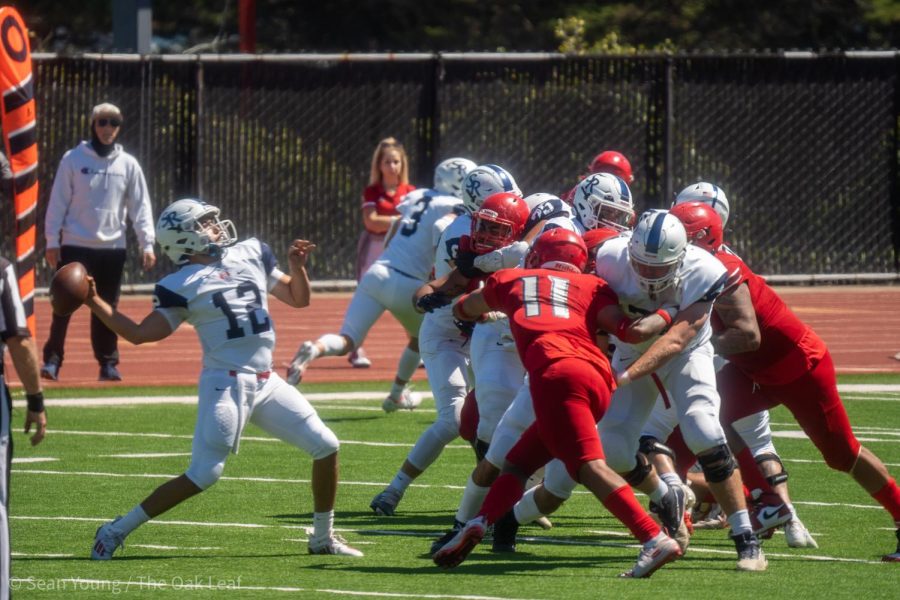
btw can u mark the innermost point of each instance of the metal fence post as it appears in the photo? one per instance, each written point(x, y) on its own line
point(668, 137)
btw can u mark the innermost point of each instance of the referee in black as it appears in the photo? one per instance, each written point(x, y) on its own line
point(15, 335)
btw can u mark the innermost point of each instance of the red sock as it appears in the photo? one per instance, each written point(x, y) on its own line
point(750, 472)
point(503, 495)
point(625, 507)
point(889, 497)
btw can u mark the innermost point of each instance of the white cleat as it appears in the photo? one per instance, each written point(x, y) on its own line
point(657, 552)
point(798, 535)
point(408, 400)
point(358, 359)
point(107, 540)
point(332, 545)
point(305, 355)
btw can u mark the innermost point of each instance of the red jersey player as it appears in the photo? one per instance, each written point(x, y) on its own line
point(791, 366)
point(554, 311)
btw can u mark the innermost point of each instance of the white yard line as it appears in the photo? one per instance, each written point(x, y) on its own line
point(244, 438)
point(336, 397)
point(223, 478)
point(420, 534)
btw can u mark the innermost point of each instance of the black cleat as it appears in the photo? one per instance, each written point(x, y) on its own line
point(750, 554)
point(505, 531)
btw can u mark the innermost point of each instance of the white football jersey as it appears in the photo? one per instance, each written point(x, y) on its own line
point(412, 248)
point(227, 303)
point(555, 213)
point(700, 278)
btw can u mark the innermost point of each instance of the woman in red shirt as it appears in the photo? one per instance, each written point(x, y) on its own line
point(388, 183)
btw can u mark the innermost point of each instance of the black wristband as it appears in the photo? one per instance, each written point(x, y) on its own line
point(35, 402)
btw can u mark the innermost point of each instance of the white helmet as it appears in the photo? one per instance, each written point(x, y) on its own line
point(707, 193)
point(534, 200)
point(657, 247)
point(449, 175)
point(484, 180)
point(190, 226)
point(602, 199)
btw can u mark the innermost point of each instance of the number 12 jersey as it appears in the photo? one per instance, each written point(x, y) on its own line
point(227, 304)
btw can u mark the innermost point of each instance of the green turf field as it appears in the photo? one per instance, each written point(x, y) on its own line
point(245, 537)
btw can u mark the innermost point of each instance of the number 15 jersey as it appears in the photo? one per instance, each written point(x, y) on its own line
point(227, 304)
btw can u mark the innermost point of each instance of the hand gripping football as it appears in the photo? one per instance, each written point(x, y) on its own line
point(68, 289)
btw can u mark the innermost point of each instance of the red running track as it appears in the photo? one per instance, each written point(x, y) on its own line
point(860, 324)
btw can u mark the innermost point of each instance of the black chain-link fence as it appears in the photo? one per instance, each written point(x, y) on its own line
point(805, 147)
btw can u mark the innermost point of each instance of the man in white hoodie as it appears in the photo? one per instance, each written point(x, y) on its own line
point(97, 185)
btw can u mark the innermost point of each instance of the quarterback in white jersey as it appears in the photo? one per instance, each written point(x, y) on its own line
point(655, 270)
point(391, 281)
point(221, 289)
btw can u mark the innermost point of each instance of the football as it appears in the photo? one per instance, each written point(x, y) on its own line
point(68, 289)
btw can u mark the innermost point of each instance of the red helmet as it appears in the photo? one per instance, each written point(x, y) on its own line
point(592, 239)
point(614, 163)
point(558, 249)
point(702, 223)
point(499, 222)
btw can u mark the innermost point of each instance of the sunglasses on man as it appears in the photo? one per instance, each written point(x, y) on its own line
point(111, 122)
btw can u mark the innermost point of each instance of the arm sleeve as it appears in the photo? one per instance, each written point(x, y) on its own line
point(173, 306)
point(139, 209)
point(12, 312)
point(270, 266)
point(369, 196)
point(58, 206)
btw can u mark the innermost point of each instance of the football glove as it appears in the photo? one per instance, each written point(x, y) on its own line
point(431, 302)
point(465, 327)
point(465, 264)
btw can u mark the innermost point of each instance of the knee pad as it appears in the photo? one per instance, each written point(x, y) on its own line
point(717, 463)
point(204, 476)
point(778, 478)
point(650, 445)
point(557, 480)
point(640, 471)
point(328, 445)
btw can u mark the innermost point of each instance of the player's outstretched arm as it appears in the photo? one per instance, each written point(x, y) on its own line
point(612, 320)
point(153, 328)
point(471, 307)
point(294, 289)
point(684, 328)
point(440, 292)
point(741, 333)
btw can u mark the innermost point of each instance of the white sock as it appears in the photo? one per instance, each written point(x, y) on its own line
point(333, 345)
point(400, 482)
point(526, 509)
point(409, 362)
point(661, 490)
point(793, 512)
point(323, 524)
point(473, 498)
point(652, 542)
point(671, 479)
point(132, 520)
point(740, 521)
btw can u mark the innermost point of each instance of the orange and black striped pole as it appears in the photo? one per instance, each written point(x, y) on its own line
point(17, 108)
